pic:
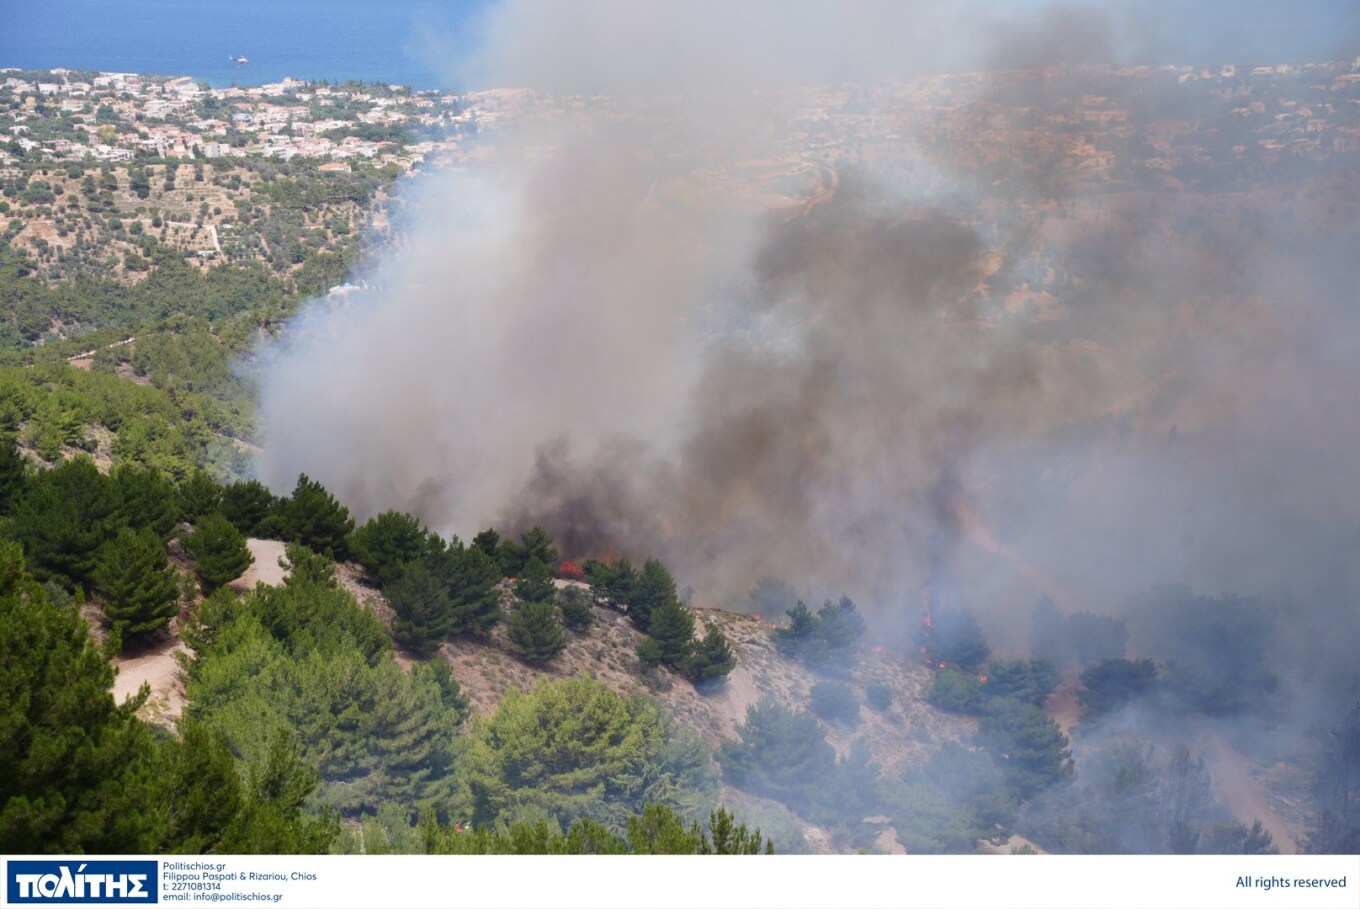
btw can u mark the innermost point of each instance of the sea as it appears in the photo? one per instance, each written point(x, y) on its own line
point(400, 42)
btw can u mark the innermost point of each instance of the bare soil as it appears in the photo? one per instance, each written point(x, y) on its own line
point(1236, 782)
point(158, 668)
point(266, 569)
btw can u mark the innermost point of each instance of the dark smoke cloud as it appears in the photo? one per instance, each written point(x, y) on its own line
point(595, 331)
point(999, 383)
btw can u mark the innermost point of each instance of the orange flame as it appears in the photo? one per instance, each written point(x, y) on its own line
point(570, 571)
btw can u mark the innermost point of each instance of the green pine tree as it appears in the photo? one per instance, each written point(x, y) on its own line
point(140, 587)
point(73, 770)
point(711, 658)
point(249, 504)
point(536, 635)
point(535, 584)
point(488, 541)
point(306, 568)
point(653, 589)
point(387, 543)
point(313, 516)
point(145, 499)
point(199, 496)
point(473, 588)
point(533, 543)
point(13, 476)
point(672, 627)
point(424, 611)
point(649, 652)
point(67, 514)
point(219, 550)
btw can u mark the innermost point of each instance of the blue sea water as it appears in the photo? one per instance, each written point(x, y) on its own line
point(422, 42)
point(407, 42)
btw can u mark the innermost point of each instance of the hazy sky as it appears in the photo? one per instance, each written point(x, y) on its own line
point(424, 42)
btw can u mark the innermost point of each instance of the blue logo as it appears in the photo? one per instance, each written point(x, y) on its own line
point(57, 883)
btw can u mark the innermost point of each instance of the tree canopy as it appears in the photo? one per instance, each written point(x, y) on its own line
point(573, 748)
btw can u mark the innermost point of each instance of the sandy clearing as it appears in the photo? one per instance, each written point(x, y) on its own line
point(158, 668)
point(733, 698)
point(1063, 705)
point(1246, 797)
point(266, 569)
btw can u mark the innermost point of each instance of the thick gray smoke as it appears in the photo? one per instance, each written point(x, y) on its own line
point(618, 324)
point(653, 313)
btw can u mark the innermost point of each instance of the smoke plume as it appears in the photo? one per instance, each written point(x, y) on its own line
point(654, 313)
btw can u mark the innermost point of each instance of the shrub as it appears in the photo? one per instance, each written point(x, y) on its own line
point(835, 702)
point(577, 613)
point(649, 652)
point(957, 692)
point(879, 697)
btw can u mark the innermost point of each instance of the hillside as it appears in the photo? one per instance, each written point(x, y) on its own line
point(899, 738)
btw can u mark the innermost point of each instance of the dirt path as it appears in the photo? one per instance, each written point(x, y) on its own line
point(266, 569)
point(1246, 798)
point(158, 668)
point(1063, 705)
point(739, 692)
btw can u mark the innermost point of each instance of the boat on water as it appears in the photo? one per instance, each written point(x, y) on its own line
point(239, 60)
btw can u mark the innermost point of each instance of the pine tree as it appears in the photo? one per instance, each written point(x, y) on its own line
point(73, 769)
point(653, 589)
point(711, 658)
point(781, 754)
point(472, 586)
point(535, 584)
point(536, 635)
point(840, 627)
point(956, 639)
point(672, 627)
point(387, 543)
point(199, 496)
point(424, 612)
point(248, 504)
point(219, 550)
point(615, 581)
point(135, 576)
point(67, 514)
point(488, 541)
point(13, 476)
point(307, 569)
point(312, 516)
point(1028, 745)
point(533, 543)
point(145, 500)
